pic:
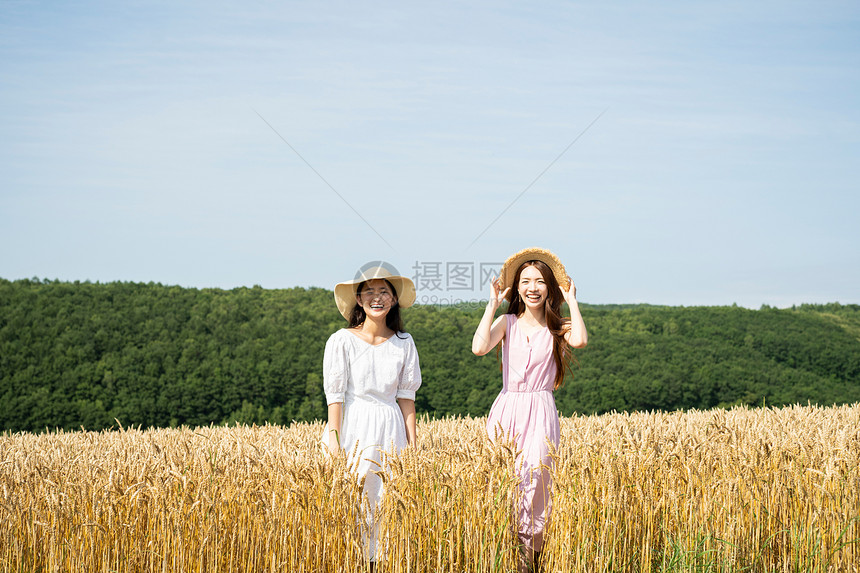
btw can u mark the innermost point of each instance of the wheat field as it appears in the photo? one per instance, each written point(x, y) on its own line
point(723, 490)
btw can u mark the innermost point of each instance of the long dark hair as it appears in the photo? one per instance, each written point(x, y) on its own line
point(393, 319)
point(558, 326)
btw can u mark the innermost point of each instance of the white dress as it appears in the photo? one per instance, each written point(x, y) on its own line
point(368, 380)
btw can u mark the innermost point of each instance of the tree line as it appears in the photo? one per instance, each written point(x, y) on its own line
point(87, 354)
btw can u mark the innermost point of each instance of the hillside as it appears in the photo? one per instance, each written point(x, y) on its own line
point(74, 354)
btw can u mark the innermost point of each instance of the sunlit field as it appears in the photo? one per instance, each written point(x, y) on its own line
point(737, 490)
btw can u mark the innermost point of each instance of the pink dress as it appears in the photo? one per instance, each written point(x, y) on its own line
point(525, 412)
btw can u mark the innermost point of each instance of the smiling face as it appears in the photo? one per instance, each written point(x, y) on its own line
point(376, 297)
point(532, 287)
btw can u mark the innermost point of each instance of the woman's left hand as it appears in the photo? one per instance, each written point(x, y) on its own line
point(576, 334)
point(570, 294)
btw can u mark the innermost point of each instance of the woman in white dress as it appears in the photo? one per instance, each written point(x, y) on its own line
point(370, 375)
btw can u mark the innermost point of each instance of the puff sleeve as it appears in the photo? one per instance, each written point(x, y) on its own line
point(410, 375)
point(335, 368)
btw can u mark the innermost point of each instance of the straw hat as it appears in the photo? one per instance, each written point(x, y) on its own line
point(509, 269)
point(344, 293)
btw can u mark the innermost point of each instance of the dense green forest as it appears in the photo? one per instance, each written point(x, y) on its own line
point(82, 354)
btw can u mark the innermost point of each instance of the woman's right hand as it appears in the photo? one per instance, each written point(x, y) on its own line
point(334, 448)
point(489, 333)
point(333, 427)
point(496, 297)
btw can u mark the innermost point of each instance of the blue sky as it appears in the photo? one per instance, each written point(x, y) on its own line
point(152, 142)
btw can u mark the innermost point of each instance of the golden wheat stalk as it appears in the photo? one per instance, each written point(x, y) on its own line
point(743, 489)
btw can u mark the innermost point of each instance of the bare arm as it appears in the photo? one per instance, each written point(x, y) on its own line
point(490, 333)
point(335, 418)
point(576, 335)
point(407, 407)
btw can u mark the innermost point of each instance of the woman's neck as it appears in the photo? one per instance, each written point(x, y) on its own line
point(375, 327)
point(534, 316)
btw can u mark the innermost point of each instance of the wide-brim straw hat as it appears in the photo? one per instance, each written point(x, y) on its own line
point(344, 293)
point(509, 269)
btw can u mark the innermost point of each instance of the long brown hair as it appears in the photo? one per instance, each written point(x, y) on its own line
point(393, 320)
point(558, 326)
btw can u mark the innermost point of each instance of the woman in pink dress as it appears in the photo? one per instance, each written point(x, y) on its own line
point(535, 352)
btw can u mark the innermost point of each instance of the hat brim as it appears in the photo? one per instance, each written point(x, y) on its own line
point(345, 292)
point(515, 261)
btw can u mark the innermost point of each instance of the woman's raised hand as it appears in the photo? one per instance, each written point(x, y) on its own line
point(569, 294)
point(496, 298)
